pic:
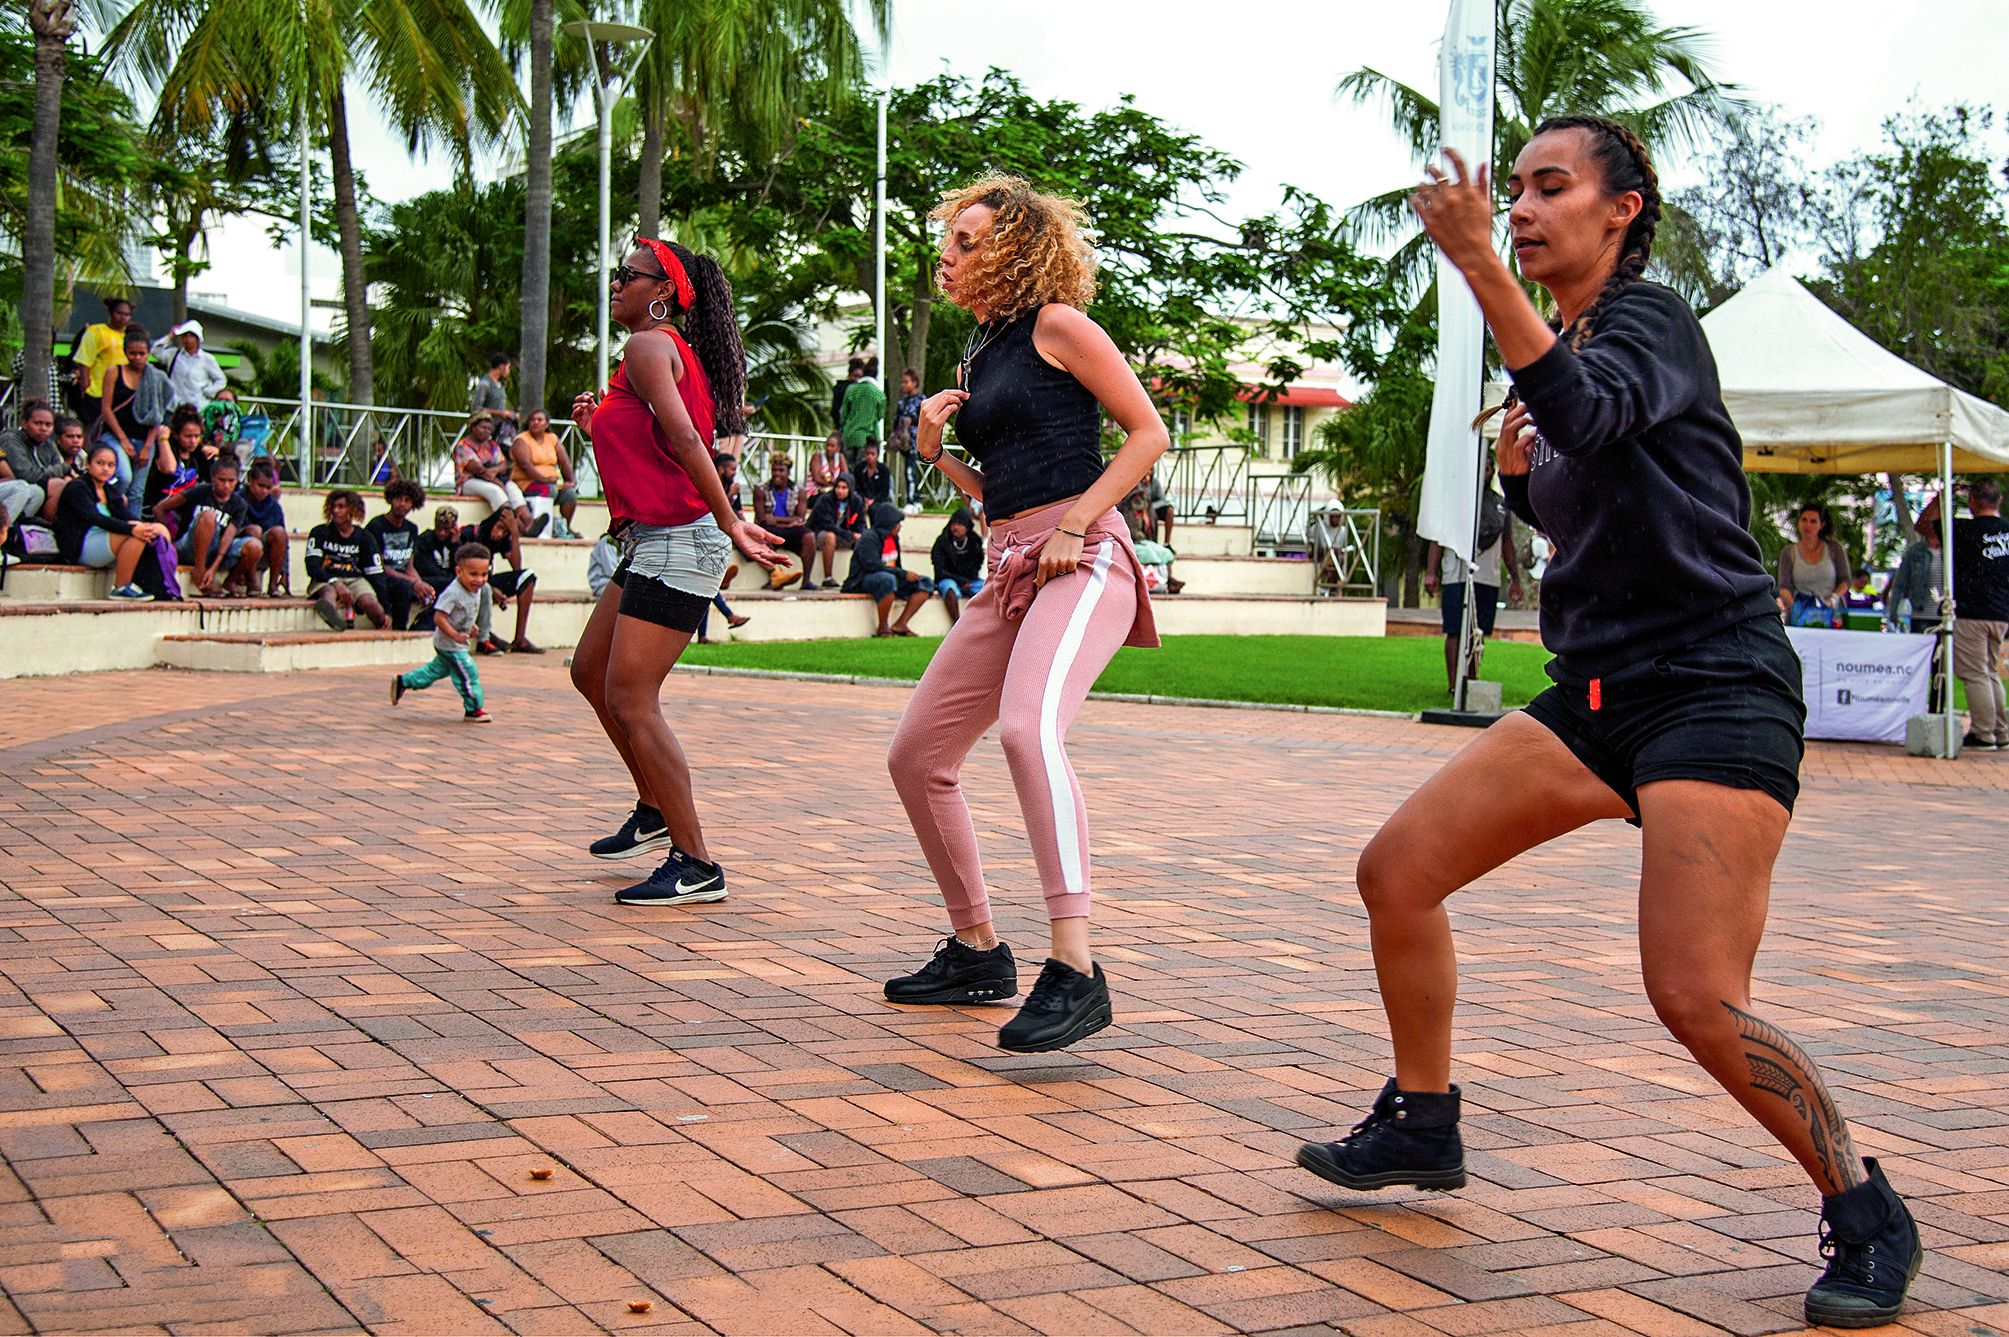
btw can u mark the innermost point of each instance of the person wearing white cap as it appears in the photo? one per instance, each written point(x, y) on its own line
point(191, 370)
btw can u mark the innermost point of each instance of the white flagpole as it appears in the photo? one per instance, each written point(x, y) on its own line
point(1449, 510)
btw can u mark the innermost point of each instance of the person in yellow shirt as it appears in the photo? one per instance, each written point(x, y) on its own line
point(102, 347)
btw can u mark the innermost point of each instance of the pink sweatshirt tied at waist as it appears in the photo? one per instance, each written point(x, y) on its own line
point(1014, 559)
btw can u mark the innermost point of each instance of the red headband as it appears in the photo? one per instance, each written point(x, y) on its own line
point(673, 269)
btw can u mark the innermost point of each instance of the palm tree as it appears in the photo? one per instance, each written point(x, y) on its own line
point(1607, 57)
point(740, 71)
point(52, 22)
point(427, 64)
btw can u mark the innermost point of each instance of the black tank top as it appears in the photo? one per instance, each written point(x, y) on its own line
point(1036, 430)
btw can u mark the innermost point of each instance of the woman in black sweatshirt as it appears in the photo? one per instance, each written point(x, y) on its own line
point(1676, 701)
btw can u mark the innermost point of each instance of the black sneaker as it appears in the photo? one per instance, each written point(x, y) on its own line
point(681, 880)
point(1873, 1252)
point(1974, 742)
point(1064, 1006)
point(398, 689)
point(958, 973)
point(643, 833)
point(1408, 1138)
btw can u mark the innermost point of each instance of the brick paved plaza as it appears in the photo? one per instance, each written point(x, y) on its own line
point(299, 996)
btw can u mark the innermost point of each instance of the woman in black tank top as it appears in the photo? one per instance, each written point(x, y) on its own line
point(1064, 591)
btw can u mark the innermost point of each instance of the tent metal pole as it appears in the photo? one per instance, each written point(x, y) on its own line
point(1946, 625)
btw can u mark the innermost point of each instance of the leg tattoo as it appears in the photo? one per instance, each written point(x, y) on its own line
point(1780, 1066)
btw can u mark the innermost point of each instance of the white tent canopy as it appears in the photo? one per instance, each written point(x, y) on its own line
point(1810, 393)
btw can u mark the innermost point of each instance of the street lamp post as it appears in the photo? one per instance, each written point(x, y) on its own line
point(606, 85)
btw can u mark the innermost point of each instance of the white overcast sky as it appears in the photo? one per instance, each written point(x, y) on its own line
point(1255, 79)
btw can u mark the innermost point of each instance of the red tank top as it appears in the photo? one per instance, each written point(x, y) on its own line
point(643, 480)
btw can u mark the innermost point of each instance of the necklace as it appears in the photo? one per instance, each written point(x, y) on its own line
point(974, 345)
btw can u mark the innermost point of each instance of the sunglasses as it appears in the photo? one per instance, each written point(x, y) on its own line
point(626, 274)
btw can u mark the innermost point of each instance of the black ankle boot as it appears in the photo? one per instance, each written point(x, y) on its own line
point(1409, 1137)
point(1872, 1248)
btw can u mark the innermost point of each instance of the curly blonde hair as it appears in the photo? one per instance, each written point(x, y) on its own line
point(1032, 253)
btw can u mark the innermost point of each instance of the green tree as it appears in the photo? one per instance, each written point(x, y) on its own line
point(1916, 237)
point(1757, 206)
point(739, 74)
point(1181, 286)
point(1609, 57)
point(71, 165)
point(427, 64)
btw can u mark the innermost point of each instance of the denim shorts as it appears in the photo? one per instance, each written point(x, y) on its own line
point(959, 589)
point(1726, 709)
point(185, 548)
point(691, 557)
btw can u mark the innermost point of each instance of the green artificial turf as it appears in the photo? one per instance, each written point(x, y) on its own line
point(1404, 673)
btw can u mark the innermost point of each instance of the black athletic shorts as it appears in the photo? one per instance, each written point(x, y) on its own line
point(509, 584)
point(1726, 709)
point(651, 600)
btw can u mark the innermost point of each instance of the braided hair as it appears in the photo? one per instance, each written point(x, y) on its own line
point(712, 330)
point(1626, 166)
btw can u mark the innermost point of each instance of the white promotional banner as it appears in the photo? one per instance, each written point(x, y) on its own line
point(1862, 685)
point(1465, 123)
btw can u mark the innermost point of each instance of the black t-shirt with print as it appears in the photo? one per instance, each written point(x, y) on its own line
point(395, 541)
point(1981, 568)
point(332, 555)
point(203, 497)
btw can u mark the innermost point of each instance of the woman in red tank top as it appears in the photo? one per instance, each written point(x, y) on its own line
point(676, 529)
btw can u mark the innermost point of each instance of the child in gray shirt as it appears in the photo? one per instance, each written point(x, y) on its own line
point(455, 611)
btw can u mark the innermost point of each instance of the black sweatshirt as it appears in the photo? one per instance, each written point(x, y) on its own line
point(77, 515)
point(1638, 479)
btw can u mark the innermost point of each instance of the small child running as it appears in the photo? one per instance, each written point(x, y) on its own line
point(454, 611)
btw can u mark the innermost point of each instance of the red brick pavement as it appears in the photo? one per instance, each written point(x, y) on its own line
point(296, 994)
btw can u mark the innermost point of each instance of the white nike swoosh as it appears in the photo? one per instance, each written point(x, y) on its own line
point(684, 888)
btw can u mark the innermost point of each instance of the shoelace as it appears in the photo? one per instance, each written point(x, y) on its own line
point(1846, 1261)
point(1048, 992)
point(1368, 1129)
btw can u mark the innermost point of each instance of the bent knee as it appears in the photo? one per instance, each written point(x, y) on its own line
point(1022, 742)
point(1687, 1007)
point(1393, 876)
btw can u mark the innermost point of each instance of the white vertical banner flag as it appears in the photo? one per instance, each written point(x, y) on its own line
point(1465, 123)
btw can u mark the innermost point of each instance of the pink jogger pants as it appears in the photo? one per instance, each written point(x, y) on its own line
point(1029, 674)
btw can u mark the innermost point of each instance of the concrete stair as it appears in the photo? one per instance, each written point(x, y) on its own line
point(55, 619)
point(285, 651)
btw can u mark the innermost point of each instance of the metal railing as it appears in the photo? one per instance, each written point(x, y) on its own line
point(1346, 544)
point(1286, 521)
point(1206, 482)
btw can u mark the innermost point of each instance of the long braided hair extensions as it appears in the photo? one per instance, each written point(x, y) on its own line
point(712, 330)
point(1626, 165)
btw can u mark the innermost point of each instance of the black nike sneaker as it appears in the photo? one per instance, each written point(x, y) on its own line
point(1409, 1138)
point(1064, 1006)
point(958, 973)
point(1873, 1252)
point(681, 880)
point(643, 833)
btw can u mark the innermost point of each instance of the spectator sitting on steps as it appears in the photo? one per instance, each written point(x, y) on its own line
point(827, 464)
point(407, 594)
point(872, 480)
point(781, 507)
point(343, 565)
point(33, 471)
point(265, 520)
point(498, 533)
point(481, 469)
point(836, 519)
point(541, 467)
point(876, 570)
point(96, 528)
point(217, 536)
point(958, 556)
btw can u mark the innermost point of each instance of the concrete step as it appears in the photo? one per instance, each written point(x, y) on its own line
point(84, 635)
point(289, 651)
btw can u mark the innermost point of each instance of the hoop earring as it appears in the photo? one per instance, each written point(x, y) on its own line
point(654, 314)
